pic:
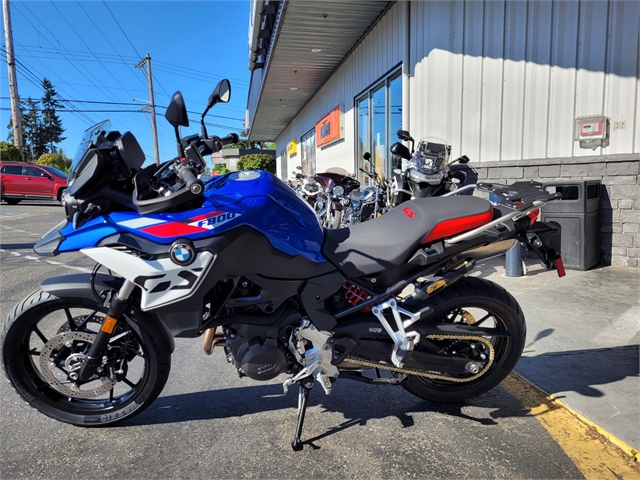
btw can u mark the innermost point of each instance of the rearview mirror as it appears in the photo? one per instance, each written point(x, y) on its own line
point(367, 156)
point(222, 93)
point(401, 151)
point(404, 135)
point(176, 113)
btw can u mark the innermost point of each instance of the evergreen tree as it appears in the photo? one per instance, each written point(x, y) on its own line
point(51, 121)
point(41, 126)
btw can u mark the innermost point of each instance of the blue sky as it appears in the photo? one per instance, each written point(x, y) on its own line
point(80, 47)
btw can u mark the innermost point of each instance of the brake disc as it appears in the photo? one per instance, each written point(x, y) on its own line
point(73, 361)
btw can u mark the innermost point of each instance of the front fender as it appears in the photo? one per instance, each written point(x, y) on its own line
point(79, 286)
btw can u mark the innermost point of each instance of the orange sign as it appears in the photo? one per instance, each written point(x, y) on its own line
point(328, 128)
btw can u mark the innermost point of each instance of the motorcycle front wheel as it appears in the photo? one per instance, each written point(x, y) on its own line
point(44, 342)
point(475, 302)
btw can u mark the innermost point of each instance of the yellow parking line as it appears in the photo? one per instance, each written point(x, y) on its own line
point(596, 453)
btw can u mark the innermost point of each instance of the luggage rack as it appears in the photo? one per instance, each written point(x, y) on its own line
point(521, 197)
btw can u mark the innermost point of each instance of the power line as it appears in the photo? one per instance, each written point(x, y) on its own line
point(120, 27)
point(72, 55)
point(35, 80)
point(103, 35)
point(137, 104)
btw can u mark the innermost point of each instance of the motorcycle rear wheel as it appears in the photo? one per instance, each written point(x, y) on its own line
point(43, 343)
point(461, 303)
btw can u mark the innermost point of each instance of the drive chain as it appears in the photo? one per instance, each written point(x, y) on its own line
point(433, 376)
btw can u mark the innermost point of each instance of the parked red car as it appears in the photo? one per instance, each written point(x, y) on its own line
point(27, 181)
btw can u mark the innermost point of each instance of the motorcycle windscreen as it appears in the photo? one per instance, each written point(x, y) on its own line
point(80, 159)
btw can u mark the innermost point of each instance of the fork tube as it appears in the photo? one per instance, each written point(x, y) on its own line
point(118, 305)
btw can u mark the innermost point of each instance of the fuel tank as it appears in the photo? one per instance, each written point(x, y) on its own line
point(253, 198)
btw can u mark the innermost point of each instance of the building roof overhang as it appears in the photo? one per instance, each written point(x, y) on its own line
point(310, 40)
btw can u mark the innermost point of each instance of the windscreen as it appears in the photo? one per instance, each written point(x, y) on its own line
point(88, 140)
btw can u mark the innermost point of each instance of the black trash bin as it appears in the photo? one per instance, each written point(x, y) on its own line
point(578, 214)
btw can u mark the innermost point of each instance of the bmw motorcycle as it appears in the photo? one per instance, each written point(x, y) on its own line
point(242, 262)
point(429, 173)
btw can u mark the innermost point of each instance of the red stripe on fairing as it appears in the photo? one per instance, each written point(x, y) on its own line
point(172, 229)
point(458, 225)
point(205, 216)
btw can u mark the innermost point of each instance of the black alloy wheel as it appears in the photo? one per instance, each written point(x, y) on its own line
point(475, 302)
point(43, 344)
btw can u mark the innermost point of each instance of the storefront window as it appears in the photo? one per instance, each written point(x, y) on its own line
point(308, 151)
point(379, 117)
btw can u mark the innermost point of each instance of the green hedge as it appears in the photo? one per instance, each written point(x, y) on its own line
point(53, 160)
point(9, 153)
point(257, 161)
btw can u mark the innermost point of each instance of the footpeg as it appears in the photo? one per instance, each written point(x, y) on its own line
point(404, 342)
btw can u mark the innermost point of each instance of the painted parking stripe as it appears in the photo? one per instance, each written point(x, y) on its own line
point(595, 452)
point(51, 262)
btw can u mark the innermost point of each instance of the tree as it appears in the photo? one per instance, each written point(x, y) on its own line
point(41, 126)
point(50, 120)
point(257, 161)
point(221, 168)
point(32, 130)
point(52, 160)
point(9, 153)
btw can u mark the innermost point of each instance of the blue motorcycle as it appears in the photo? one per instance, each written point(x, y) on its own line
point(242, 261)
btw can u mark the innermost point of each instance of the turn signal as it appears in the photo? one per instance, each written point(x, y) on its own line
point(109, 324)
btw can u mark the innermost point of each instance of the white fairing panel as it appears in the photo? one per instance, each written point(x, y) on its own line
point(162, 282)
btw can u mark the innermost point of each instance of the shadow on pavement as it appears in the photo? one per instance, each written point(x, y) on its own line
point(581, 370)
point(357, 402)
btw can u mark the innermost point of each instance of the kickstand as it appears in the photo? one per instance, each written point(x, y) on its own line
point(306, 384)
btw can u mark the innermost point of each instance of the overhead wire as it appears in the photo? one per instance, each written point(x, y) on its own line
point(36, 80)
point(88, 48)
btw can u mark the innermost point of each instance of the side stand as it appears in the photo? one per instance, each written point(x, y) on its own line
point(306, 384)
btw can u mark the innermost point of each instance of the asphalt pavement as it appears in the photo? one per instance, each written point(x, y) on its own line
point(208, 423)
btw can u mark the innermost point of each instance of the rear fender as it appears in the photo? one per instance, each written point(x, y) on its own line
point(79, 286)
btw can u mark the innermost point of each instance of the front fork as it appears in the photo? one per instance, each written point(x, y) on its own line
point(117, 306)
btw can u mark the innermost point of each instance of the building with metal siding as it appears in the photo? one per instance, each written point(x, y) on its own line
point(502, 81)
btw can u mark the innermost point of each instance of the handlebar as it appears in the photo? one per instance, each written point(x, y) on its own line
point(229, 139)
point(188, 175)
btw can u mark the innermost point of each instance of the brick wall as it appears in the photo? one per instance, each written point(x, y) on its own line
point(619, 198)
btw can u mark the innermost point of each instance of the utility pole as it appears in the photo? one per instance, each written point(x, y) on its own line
point(152, 102)
point(16, 118)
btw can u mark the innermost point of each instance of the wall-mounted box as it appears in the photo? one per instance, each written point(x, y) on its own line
point(592, 132)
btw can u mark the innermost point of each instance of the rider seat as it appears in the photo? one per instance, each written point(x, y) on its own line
point(370, 247)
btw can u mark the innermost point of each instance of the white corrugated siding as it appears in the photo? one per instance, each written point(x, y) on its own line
point(377, 54)
point(499, 80)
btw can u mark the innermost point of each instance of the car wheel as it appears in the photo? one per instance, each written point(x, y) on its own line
point(12, 201)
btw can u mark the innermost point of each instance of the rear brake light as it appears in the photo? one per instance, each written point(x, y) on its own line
point(533, 216)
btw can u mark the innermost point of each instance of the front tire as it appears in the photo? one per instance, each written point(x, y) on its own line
point(481, 302)
point(12, 201)
point(44, 341)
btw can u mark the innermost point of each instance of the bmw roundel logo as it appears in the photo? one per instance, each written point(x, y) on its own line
point(182, 253)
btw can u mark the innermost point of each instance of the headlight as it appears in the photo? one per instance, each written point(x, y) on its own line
point(338, 190)
point(419, 177)
point(367, 194)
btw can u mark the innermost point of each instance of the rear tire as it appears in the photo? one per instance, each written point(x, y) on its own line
point(474, 295)
point(45, 338)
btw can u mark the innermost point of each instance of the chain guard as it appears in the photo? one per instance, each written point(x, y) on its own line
point(433, 376)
